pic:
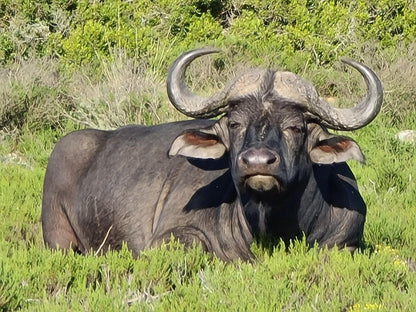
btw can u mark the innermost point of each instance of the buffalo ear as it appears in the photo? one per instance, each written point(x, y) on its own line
point(327, 148)
point(197, 144)
point(201, 143)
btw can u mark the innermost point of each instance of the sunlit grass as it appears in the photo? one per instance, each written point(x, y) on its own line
point(380, 277)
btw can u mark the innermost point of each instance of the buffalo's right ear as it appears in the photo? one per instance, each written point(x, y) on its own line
point(202, 143)
point(328, 148)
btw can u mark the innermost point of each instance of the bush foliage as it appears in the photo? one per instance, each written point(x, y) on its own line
point(291, 33)
point(104, 63)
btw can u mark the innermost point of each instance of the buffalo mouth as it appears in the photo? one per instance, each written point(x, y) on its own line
point(262, 183)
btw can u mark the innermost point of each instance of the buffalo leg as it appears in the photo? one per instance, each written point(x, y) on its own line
point(57, 231)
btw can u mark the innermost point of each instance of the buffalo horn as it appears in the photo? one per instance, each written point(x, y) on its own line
point(197, 106)
point(359, 115)
point(184, 100)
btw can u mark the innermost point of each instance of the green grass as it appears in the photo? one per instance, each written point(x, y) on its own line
point(381, 277)
point(388, 184)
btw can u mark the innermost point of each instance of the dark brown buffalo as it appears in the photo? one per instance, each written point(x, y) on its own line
point(268, 166)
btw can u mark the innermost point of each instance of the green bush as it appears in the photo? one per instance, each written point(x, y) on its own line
point(138, 28)
point(32, 95)
point(299, 35)
point(291, 33)
point(25, 27)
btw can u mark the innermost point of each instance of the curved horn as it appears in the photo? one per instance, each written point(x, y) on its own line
point(183, 98)
point(361, 114)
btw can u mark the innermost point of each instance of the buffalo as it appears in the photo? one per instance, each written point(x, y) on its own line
point(268, 167)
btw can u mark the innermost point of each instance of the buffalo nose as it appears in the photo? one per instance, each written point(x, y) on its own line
point(256, 157)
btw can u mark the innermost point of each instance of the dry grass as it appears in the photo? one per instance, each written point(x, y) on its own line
point(399, 77)
point(31, 94)
point(125, 94)
point(397, 71)
point(34, 94)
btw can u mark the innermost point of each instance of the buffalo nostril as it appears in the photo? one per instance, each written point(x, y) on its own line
point(258, 157)
point(271, 159)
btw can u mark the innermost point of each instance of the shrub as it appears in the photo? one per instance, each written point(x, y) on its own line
point(303, 36)
point(294, 33)
point(32, 95)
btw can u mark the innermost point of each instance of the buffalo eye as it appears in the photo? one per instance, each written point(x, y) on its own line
point(296, 130)
point(234, 125)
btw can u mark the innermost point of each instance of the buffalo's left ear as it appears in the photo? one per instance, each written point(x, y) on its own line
point(327, 148)
point(205, 143)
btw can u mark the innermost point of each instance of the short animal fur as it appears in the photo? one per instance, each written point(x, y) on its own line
point(268, 167)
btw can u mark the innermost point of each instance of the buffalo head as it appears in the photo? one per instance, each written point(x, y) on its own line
point(274, 125)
